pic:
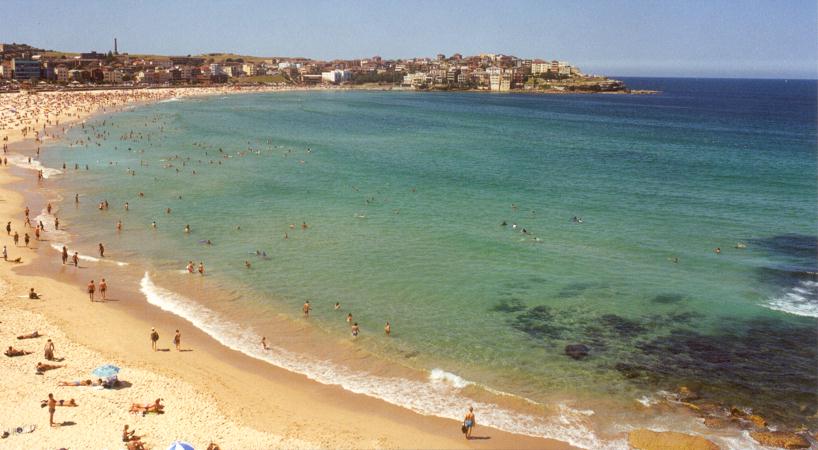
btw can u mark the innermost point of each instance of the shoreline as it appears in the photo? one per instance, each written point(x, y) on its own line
point(227, 375)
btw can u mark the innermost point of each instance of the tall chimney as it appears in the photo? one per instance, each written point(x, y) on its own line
point(115, 50)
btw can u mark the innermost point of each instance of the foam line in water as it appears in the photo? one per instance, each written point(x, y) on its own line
point(58, 247)
point(22, 161)
point(438, 396)
point(801, 300)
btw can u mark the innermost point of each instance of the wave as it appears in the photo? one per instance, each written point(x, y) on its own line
point(22, 162)
point(58, 247)
point(172, 99)
point(438, 396)
point(801, 300)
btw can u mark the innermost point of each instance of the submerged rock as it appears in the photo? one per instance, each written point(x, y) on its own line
point(668, 440)
point(686, 394)
point(757, 420)
point(717, 422)
point(577, 351)
point(780, 439)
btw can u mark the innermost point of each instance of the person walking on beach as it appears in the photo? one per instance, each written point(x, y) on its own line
point(264, 343)
point(154, 338)
point(5, 254)
point(355, 329)
point(76, 259)
point(8, 229)
point(306, 308)
point(91, 290)
point(103, 289)
point(64, 254)
point(16, 238)
point(49, 350)
point(52, 407)
point(101, 250)
point(177, 340)
point(56, 223)
point(26, 239)
point(469, 422)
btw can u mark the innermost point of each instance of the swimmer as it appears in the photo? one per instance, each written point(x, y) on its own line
point(741, 245)
point(387, 329)
point(337, 306)
point(187, 228)
point(246, 264)
point(153, 224)
point(190, 268)
point(201, 268)
point(306, 308)
point(349, 318)
point(717, 251)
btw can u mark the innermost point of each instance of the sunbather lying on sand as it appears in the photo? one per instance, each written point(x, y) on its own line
point(80, 383)
point(15, 352)
point(70, 402)
point(136, 445)
point(144, 408)
point(44, 367)
point(29, 336)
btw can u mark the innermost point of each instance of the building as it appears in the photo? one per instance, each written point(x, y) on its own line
point(216, 69)
point(500, 81)
point(249, 69)
point(114, 76)
point(61, 73)
point(25, 69)
point(416, 79)
point(336, 76)
point(539, 66)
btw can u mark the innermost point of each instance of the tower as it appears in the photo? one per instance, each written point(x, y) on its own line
point(115, 51)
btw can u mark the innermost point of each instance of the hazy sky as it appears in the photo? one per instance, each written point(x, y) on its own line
point(712, 38)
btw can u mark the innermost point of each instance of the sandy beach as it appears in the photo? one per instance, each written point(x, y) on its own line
point(210, 393)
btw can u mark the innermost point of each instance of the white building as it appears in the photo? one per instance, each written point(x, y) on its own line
point(415, 79)
point(216, 69)
point(336, 76)
point(249, 69)
point(539, 66)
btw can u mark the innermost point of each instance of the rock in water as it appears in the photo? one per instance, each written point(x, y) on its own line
point(686, 394)
point(781, 439)
point(577, 351)
point(668, 440)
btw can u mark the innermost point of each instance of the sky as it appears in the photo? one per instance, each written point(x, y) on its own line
point(691, 38)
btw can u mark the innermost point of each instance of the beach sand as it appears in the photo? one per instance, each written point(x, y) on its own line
point(211, 393)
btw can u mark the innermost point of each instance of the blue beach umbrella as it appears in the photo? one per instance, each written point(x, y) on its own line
point(106, 371)
point(179, 445)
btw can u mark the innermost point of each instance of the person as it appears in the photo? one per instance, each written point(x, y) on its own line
point(127, 207)
point(5, 254)
point(177, 340)
point(154, 338)
point(16, 238)
point(349, 318)
point(52, 407)
point(49, 350)
point(43, 367)
point(101, 250)
point(717, 250)
point(187, 228)
point(64, 254)
point(26, 239)
point(246, 263)
point(213, 446)
point(264, 343)
point(76, 259)
point(56, 223)
point(76, 383)
point(155, 407)
point(15, 352)
point(103, 288)
point(201, 268)
point(8, 229)
point(190, 267)
point(91, 290)
point(355, 329)
point(153, 224)
point(32, 335)
point(469, 422)
point(306, 308)
point(129, 435)
point(33, 295)
point(387, 329)
point(135, 445)
point(118, 225)
point(337, 306)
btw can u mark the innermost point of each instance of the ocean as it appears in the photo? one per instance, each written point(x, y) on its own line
point(491, 231)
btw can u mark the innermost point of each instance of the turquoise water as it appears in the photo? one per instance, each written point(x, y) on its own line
point(405, 195)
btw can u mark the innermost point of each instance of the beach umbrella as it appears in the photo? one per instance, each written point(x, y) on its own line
point(106, 371)
point(179, 445)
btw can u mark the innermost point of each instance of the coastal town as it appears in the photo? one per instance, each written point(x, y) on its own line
point(27, 67)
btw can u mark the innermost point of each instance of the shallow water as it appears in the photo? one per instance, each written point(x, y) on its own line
point(404, 195)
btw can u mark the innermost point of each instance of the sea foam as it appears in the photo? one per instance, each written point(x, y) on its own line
point(438, 396)
point(801, 300)
point(22, 161)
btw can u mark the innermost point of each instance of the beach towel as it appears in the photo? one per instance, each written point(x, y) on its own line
point(24, 429)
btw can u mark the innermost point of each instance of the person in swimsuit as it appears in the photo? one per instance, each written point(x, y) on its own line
point(15, 352)
point(101, 250)
point(306, 308)
point(469, 422)
point(264, 343)
point(33, 295)
point(103, 288)
point(75, 383)
point(76, 259)
point(355, 329)
point(201, 268)
point(91, 290)
point(52, 407)
point(387, 329)
point(177, 340)
point(49, 350)
point(154, 338)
